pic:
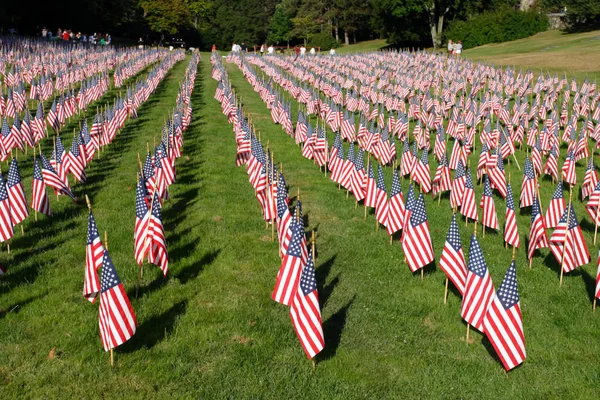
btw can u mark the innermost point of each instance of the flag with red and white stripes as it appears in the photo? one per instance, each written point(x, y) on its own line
point(511, 233)
point(537, 230)
point(503, 323)
point(417, 244)
point(489, 217)
point(452, 261)
point(94, 253)
point(567, 242)
point(116, 316)
point(479, 288)
point(306, 312)
point(556, 207)
point(291, 268)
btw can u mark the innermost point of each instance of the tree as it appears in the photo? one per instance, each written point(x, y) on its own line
point(354, 16)
point(310, 18)
point(167, 16)
point(280, 28)
point(198, 11)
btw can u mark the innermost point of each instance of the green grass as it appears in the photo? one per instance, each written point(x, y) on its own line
point(577, 54)
point(367, 45)
point(210, 330)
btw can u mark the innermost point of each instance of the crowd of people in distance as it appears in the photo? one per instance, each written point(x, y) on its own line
point(70, 36)
point(299, 51)
point(455, 48)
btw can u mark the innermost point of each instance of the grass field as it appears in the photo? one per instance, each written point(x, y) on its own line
point(367, 45)
point(210, 329)
point(577, 54)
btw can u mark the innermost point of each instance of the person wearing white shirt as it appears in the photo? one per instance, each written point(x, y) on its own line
point(312, 51)
point(302, 51)
point(270, 50)
point(332, 52)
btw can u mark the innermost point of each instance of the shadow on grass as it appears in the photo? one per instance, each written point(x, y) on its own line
point(153, 286)
point(332, 330)
point(15, 308)
point(191, 272)
point(322, 272)
point(155, 329)
point(590, 284)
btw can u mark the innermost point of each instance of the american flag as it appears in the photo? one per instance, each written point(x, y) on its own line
point(306, 312)
point(371, 188)
point(590, 179)
point(529, 185)
point(291, 267)
point(6, 225)
point(442, 181)
point(503, 323)
point(537, 231)
point(421, 174)
point(556, 207)
point(452, 261)
point(116, 316)
point(284, 219)
point(52, 179)
point(567, 242)
point(479, 288)
point(496, 175)
point(489, 217)
point(39, 198)
point(417, 240)
point(19, 210)
point(395, 209)
point(511, 233)
point(142, 216)
point(597, 291)
point(158, 254)
point(468, 206)
point(75, 161)
point(568, 169)
point(458, 186)
point(94, 252)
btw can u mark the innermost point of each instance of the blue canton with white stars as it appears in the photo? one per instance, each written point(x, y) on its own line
point(110, 278)
point(453, 237)
point(14, 178)
point(418, 214)
point(92, 229)
point(508, 292)
point(308, 280)
point(476, 262)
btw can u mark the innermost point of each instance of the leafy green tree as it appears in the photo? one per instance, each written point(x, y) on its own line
point(199, 11)
point(167, 16)
point(280, 28)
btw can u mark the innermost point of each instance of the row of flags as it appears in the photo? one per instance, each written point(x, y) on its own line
point(117, 319)
point(54, 172)
point(296, 285)
point(462, 187)
point(569, 246)
point(49, 68)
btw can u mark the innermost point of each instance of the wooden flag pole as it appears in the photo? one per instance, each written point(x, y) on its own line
point(562, 263)
point(446, 291)
point(313, 245)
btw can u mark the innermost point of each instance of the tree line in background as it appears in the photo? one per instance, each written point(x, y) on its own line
point(318, 23)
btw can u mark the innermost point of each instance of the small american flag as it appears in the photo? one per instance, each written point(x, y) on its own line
point(537, 231)
point(458, 185)
point(142, 216)
point(19, 209)
point(116, 316)
point(395, 209)
point(417, 240)
point(567, 242)
point(291, 268)
point(528, 186)
point(479, 288)
point(94, 253)
point(511, 233)
point(468, 206)
point(6, 225)
point(306, 312)
point(158, 254)
point(556, 207)
point(503, 324)
point(52, 179)
point(489, 217)
point(597, 291)
point(39, 198)
point(452, 261)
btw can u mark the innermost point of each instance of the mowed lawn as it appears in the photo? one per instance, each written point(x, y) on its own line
point(211, 330)
point(557, 52)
